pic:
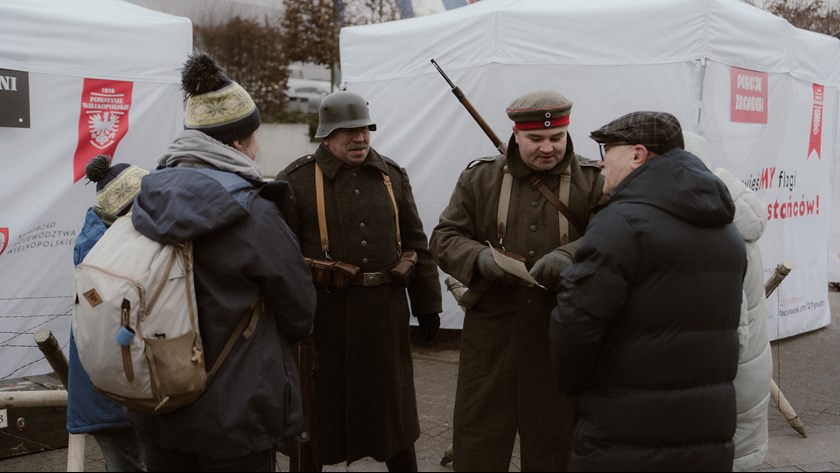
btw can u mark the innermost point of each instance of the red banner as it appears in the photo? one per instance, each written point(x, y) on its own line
point(103, 120)
point(4, 239)
point(815, 143)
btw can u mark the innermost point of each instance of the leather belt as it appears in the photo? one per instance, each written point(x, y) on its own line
point(379, 278)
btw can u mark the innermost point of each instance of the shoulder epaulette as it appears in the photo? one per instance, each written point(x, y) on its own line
point(391, 162)
point(476, 162)
point(299, 163)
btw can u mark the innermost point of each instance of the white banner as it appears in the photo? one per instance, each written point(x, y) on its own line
point(43, 208)
point(76, 79)
point(768, 109)
point(775, 158)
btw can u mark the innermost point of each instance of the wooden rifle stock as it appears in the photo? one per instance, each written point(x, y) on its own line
point(497, 143)
point(304, 454)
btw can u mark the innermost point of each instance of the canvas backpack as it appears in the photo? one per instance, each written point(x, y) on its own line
point(135, 321)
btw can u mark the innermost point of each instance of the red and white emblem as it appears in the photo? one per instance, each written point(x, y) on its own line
point(103, 128)
point(103, 120)
point(4, 239)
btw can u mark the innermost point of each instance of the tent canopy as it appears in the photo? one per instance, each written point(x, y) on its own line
point(611, 57)
point(588, 32)
point(92, 38)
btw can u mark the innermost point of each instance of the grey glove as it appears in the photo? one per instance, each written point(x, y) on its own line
point(489, 269)
point(548, 268)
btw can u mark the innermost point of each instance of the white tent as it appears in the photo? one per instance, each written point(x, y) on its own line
point(76, 79)
point(763, 93)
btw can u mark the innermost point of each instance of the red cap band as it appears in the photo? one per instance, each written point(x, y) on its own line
point(536, 125)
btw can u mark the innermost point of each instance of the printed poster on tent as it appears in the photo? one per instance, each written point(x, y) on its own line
point(776, 150)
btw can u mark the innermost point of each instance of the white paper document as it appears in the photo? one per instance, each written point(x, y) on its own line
point(512, 266)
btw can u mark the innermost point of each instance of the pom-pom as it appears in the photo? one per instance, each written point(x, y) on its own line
point(201, 74)
point(98, 167)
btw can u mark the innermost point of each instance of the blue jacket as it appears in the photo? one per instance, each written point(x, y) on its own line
point(87, 409)
point(645, 331)
point(242, 247)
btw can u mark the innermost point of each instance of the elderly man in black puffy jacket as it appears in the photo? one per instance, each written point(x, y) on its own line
point(645, 332)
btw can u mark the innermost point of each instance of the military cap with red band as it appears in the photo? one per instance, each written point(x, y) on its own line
point(540, 110)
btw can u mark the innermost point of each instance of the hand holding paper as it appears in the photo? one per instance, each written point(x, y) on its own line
point(512, 266)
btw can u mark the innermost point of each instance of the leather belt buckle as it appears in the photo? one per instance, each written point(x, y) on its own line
point(371, 279)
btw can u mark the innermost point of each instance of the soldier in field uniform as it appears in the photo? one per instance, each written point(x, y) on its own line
point(360, 240)
point(505, 379)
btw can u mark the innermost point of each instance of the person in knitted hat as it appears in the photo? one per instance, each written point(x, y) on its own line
point(207, 189)
point(534, 203)
point(88, 411)
point(116, 186)
point(221, 122)
point(645, 332)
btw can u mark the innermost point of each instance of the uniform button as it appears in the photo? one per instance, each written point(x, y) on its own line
point(357, 191)
point(364, 242)
point(531, 253)
point(365, 260)
point(533, 228)
point(362, 225)
point(534, 204)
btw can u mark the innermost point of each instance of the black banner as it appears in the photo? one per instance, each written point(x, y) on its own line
point(14, 98)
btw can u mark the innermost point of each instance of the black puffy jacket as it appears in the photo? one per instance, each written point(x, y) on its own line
point(645, 333)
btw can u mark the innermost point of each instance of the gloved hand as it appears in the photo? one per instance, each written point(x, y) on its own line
point(490, 270)
point(548, 268)
point(429, 325)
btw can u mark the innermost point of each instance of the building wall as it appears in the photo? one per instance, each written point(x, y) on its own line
point(280, 144)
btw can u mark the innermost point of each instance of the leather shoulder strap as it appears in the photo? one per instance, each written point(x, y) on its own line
point(539, 185)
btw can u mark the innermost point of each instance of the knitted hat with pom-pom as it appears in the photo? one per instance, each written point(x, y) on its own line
point(216, 105)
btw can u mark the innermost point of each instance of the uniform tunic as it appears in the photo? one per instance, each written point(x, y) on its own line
point(505, 380)
point(365, 399)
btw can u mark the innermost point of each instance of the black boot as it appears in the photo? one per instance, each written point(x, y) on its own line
point(405, 460)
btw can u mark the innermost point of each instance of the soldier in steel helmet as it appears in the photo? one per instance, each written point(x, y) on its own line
point(505, 383)
point(358, 225)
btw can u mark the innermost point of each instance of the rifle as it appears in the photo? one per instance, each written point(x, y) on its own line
point(304, 454)
point(499, 144)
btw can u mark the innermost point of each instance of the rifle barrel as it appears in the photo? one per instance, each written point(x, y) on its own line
point(451, 84)
point(498, 143)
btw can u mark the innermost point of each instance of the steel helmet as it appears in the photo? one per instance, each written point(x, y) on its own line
point(342, 110)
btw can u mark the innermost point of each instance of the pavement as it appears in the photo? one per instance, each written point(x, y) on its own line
point(806, 369)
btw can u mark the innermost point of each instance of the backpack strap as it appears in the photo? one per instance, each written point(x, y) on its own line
point(246, 326)
point(504, 205)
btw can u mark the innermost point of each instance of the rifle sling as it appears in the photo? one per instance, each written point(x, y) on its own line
point(539, 185)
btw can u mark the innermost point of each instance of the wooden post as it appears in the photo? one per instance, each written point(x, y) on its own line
point(52, 352)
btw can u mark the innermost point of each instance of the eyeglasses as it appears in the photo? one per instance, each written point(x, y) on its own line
point(604, 147)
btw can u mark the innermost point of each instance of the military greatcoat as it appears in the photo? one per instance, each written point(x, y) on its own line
point(365, 398)
point(505, 380)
